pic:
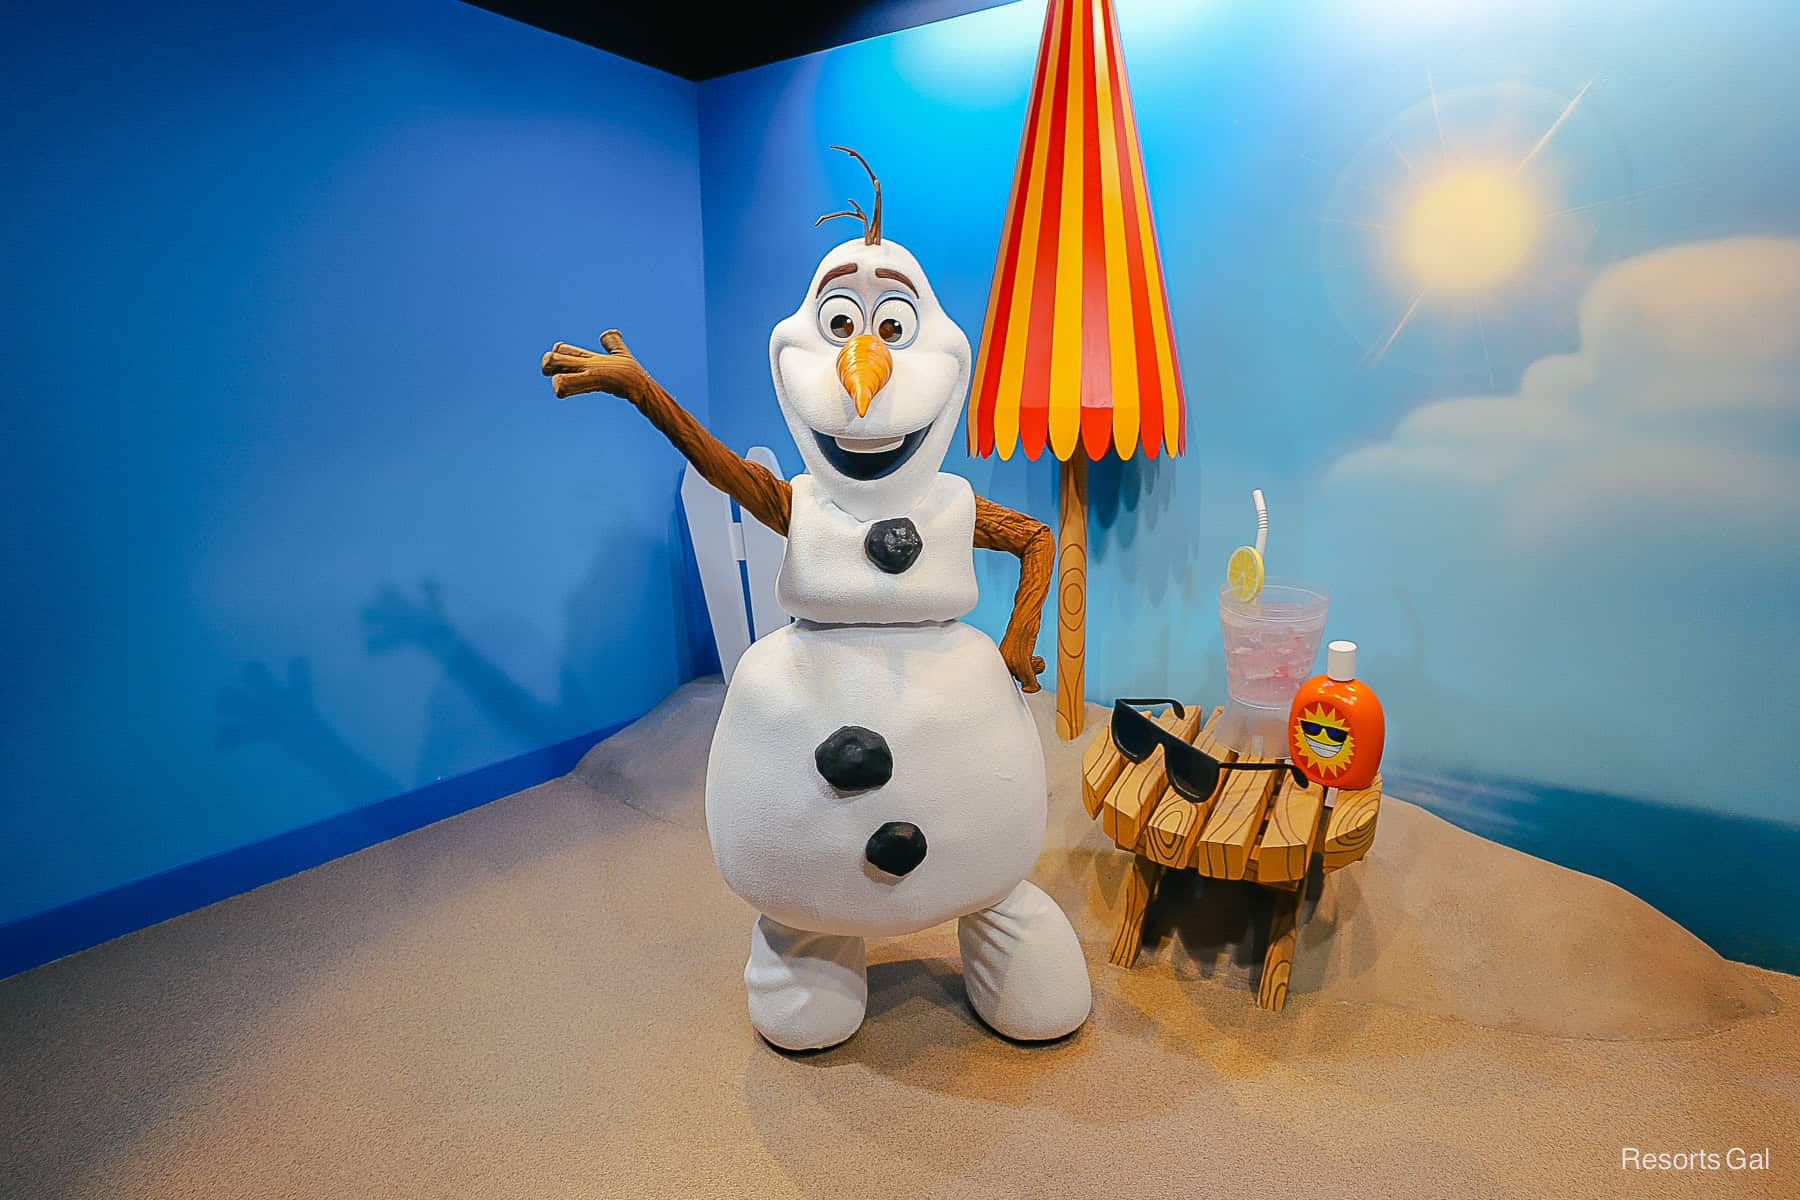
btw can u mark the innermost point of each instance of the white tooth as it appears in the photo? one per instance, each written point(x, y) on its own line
point(868, 445)
point(1323, 749)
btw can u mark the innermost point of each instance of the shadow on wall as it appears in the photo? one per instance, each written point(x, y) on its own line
point(1144, 541)
point(260, 707)
point(1128, 500)
point(1424, 714)
point(475, 697)
point(1123, 497)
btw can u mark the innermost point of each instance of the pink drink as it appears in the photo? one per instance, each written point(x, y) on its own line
point(1270, 644)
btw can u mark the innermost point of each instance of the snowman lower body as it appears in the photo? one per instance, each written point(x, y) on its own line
point(937, 814)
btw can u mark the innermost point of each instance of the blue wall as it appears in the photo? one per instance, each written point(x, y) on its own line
point(291, 521)
point(1560, 510)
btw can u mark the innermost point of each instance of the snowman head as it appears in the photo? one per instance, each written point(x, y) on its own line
point(871, 373)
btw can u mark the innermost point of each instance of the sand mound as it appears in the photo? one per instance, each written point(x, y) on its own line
point(1436, 919)
point(657, 764)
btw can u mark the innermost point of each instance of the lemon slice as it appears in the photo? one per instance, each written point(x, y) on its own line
point(1245, 573)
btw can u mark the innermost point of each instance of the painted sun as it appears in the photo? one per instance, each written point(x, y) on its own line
point(1469, 217)
point(1469, 222)
point(1467, 230)
point(1324, 742)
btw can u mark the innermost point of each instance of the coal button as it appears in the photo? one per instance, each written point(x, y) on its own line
point(893, 545)
point(854, 759)
point(896, 847)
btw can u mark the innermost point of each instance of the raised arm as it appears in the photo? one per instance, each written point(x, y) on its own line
point(573, 371)
point(998, 527)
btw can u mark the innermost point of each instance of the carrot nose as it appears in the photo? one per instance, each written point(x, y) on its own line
point(864, 365)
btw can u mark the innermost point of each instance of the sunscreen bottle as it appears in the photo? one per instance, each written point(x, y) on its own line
point(1335, 724)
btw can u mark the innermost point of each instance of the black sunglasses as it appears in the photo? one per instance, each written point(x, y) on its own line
point(1193, 772)
point(1313, 729)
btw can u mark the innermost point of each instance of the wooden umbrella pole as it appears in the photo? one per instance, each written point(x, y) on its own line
point(1071, 598)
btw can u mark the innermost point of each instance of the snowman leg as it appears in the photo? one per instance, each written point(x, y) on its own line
point(1023, 967)
point(807, 990)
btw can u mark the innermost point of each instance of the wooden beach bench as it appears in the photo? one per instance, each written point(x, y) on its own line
point(1257, 826)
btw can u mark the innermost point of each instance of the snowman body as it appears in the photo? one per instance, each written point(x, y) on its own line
point(882, 650)
point(875, 770)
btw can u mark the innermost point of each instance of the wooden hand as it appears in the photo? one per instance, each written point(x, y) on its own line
point(1016, 652)
point(573, 371)
point(1000, 528)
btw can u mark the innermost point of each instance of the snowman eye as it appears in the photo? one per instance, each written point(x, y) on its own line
point(896, 321)
point(840, 317)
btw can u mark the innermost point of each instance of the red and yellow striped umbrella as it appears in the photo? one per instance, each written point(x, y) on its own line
point(1077, 349)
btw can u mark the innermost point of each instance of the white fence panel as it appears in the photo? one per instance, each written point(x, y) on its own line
point(721, 542)
point(763, 548)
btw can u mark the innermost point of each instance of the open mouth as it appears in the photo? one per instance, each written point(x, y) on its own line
point(869, 458)
point(1323, 749)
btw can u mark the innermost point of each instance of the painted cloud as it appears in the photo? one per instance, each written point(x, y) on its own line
point(1685, 393)
point(1610, 556)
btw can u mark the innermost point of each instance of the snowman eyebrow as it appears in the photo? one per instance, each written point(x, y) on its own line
point(835, 272)
point(888, 273)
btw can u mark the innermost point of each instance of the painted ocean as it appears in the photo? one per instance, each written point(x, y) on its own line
point(1734, 881)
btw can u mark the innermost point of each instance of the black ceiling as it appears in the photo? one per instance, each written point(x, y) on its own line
point(706, 38)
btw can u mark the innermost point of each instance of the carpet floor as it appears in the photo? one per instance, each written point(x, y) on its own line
point(543, 998)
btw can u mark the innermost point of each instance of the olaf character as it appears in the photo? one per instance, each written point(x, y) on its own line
point(875, 770)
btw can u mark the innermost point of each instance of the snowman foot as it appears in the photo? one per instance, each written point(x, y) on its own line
point(807, 990)
point(1023, 967)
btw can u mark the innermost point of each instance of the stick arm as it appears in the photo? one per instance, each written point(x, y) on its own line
point(998, 527)
point(573, 371)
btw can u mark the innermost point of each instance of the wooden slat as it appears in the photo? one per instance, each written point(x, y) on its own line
point(1126, 809)
point(1101, 766)
point(1351, 829)
point(1223, 850)
point(1278, 962)
point(1287, 843)
point(1207, 738)
point(1141, 879)
point(1122, 811)
point(1107, 764)
point(1176, 821)
point(1169, 832)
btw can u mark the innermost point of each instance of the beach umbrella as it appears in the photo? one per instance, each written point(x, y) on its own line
point(1078, 350)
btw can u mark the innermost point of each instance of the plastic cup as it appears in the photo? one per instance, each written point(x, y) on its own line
point(1271, 644)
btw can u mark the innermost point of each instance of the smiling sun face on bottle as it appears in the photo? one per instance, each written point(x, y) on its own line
point(1322, 740)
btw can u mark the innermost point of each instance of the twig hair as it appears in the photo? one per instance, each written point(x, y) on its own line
point(871, 225)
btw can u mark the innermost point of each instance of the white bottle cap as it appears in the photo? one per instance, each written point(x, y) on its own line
point(1340, 661)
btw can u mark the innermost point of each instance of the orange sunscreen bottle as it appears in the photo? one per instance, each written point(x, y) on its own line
point(1335, 725)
